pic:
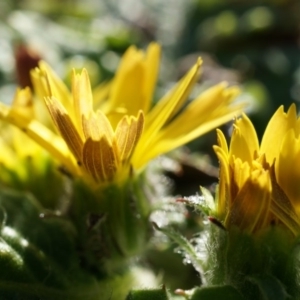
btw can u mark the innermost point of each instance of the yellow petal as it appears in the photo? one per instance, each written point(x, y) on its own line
point(206, 104)
point(40, 134)
point(240, 173)
point(170, 104)
point(23, 102)
point(99, 159)
point(222, 141)
point(249, 209)
point(161, 113)
point(276, 129)
point(287, 169)
point(101, 93)
point(224, 197)
point(47, 84)
point(282, 207)
point(134, 82)
point(66, 127)
point(8, 157)
point(23, 145)
point(40, 83)
point(194, 122)
point(82, 97)
point(96, 126)
point(201, 110)
point(128, 133)
point(244, 142)
point(152, 68)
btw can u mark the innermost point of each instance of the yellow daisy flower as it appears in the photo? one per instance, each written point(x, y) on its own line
point(259, 184)
point(102, 137)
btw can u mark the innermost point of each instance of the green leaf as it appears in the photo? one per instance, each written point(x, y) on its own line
point(28, 273)
point(38, 256)
point(209, 201)
point(189, 251)
point(49, 233)
point(225, 292)
point(204, 203)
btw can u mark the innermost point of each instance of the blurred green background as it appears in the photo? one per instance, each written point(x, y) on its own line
point(252, 43)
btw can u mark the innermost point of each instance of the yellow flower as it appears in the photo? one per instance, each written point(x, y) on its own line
point(259, 184)
point(15, 145)
point(106, 135)
point(25, 165)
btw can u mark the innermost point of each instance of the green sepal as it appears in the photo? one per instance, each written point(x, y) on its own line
point(112, 223)
point(257, 265)
point(149, 294)
point(270, 287)
point(225, 292)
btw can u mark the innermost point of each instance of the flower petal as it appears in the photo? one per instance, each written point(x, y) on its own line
point(249, 209)
point(65, 126)
point(82, 97)
point(40, 134)
point(170, 104)
point(224, 196)
point(287, 169)
point(222, 141)
point(161, 113)
point(47, 84)
point(101, 93)
point(244, 142)
point(152, 68)
point(282, 207)
point(23, 102)
point(193, 122)
point(276, 129)
point(96, 126)
point(134, 82)
point(99, 159)
point(240, 173)
point(128, 133)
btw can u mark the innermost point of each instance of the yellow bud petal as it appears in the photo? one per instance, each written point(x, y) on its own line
point(99, 159)
point(66, 127)
point(128, 133)
point(249, 209)
point(282, 206)
point(96, 126)
point(82, 95)
point(224, 195)
point(287, 168)
point(276, 129)
point(244, 142)
point(23, 102)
